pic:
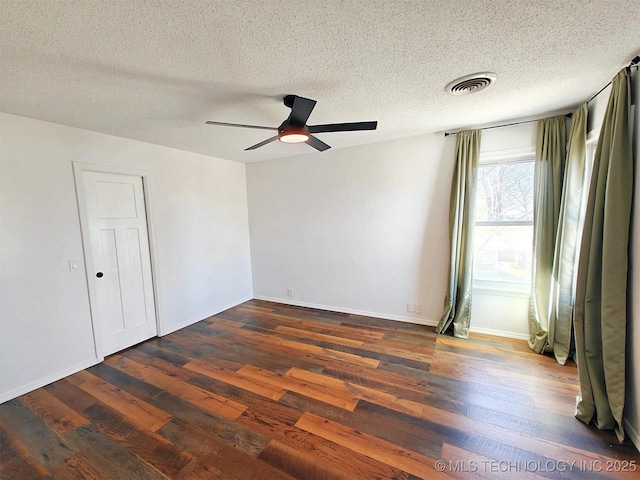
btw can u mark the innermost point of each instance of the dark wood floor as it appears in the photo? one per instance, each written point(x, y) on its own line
point(267, 391)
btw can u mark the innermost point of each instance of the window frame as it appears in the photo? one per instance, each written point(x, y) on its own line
point(501, 287)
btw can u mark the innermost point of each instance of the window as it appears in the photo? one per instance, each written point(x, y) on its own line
point(504, 225)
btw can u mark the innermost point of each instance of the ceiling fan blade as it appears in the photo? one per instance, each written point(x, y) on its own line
point(300, 111)
point(262, 144)
point(343, 127)
point(224, 124)
point(317, 143)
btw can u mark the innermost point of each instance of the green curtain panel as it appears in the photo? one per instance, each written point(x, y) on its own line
point(547, 186)
point(601, 290)
point(457, 304)
point(567, 240)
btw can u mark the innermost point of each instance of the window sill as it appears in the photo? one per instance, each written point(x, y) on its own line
point(500, 291)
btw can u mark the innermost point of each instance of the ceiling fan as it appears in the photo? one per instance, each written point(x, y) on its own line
point(295, 129)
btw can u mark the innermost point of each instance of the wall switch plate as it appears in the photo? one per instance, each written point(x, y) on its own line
point(410, 307)
point(418, 308)
point(290, 292)
point(73, 265)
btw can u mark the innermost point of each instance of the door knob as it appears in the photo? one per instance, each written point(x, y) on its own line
point(99, 274)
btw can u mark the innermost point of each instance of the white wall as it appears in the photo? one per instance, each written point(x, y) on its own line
point(198, 215)
point(361, 229)
point(365, 229)
point(632, 404)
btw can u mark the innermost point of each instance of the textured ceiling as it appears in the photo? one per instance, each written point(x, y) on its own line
point(157, 70)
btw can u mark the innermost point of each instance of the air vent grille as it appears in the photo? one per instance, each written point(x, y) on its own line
point(470, 83)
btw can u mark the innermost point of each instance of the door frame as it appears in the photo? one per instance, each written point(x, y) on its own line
point(78, 169)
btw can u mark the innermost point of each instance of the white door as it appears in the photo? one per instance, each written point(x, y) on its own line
point(119, 256)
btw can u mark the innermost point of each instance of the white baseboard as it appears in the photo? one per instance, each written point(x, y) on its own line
point(632, 432)
point(331, 308)
point(499, 333)
point(201, 317)
point(41, 382)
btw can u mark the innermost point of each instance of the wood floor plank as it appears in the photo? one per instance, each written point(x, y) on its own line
point(55, 414)
point(134, 386)
point(16, 462)
point(384, 325)
point(329, 352)
point(300, 464)
point(339, 399)
point(473, 465)
point(230, 462)
point(375, 377)
point(426, 431)
point(272, 391)
point(78, 467)
point(274, 320)
point(416, 373)
point(469, 390)
point(270, 356)
point(426, 339)
point(401, 458)
point(195, 395)
point(155, 348)
point(353, 464)
point(358, 391)
point(197, 471)
point(399, 385)
point(153, 449)
point(540, 446)
point(534, 382)
point(296, 332)
point(234, 378)
point(231, 433)
point(378, 353)
point(42, 443)
point(421, 357)
point(373, 420)
point(138, 410)
point(68, 393)
point(361, 392)
point(561, 430)
point(110, 456)
point(306, 348)
point(255, 402)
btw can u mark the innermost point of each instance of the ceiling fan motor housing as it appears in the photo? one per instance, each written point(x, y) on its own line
point(288, 128)
point(288, 100)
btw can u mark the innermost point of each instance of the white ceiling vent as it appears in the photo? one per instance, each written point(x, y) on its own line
point(471, 83)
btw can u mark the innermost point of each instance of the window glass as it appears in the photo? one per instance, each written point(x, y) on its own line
point(503, 253)
point(504, 225)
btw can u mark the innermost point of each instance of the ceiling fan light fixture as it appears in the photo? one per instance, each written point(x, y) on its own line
point(293, 134)
point(293, 137)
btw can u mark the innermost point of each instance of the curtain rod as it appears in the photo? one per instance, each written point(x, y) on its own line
point(446, 134)
point(634, 64)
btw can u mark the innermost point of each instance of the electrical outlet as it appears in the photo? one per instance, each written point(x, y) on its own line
point(410, 307)
point(290, 292)
point(418, 308)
